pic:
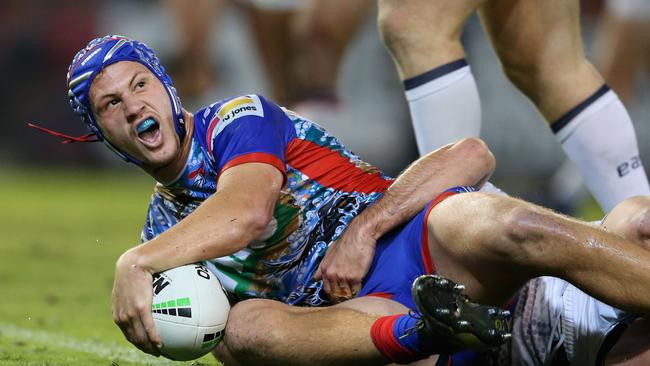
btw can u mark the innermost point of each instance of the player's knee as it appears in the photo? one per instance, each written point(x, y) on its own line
point(503, 229)
point(522, 223)
point(476, 151)
point(508, 229)
point(641, 221)
point(527, 236)
point(482, 212)
point(252, 329)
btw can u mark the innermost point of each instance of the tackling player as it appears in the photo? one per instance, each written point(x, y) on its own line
point(264, 193)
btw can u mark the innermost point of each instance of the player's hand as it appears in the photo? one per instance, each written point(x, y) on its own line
point(132, 296)
point(345, 264)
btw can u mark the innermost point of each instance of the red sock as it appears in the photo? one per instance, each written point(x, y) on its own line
point(396, 339)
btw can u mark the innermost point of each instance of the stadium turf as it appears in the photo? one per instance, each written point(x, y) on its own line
point(61, 235)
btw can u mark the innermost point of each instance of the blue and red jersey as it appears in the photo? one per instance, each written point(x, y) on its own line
point(326, 186)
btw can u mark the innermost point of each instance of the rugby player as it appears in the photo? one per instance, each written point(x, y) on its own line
point(540, 47)
point(263, 193)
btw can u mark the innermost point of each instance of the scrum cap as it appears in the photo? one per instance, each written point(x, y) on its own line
point(102, 52)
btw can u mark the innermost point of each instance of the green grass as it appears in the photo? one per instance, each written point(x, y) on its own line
point(61, 233)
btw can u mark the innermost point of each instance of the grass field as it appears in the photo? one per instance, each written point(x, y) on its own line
point(61, 234)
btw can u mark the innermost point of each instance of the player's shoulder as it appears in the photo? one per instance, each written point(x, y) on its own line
point(239, 115)
point(230, 109)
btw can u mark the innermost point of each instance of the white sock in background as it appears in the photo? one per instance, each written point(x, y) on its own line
point(598, 136)
point(444, 104)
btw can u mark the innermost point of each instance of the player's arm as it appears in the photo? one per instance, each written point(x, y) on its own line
point(466, 163)
point(223, 224)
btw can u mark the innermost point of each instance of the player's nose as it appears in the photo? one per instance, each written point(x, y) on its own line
point(133, 108)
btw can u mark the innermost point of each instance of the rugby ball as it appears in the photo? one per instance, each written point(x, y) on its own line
point(190, 309)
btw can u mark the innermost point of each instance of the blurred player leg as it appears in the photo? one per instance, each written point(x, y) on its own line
point(271, 23)
point(423, 37)
point(193, 71)
point(624, 44)
point(540, 46)
point(322, 31)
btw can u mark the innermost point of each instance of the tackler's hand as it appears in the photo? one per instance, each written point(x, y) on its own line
point(346, 263)
point(132, 296)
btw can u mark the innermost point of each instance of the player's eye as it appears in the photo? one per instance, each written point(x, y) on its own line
point(113, 102)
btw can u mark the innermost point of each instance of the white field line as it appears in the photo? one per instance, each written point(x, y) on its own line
point(111, 352)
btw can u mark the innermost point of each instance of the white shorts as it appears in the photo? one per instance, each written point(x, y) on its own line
point(553, 317)
point(275, 5)
point(630, 9)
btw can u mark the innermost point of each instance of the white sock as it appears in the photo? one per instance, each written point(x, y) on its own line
point(444, 105)
point(598, 136)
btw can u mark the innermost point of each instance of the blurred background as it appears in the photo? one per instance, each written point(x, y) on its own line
point(217, 48)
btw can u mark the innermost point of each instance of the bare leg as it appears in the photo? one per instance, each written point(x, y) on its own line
point(323, 30)
point(631, 220)
point(422, 34)
point(272, 31)
point(493, 244)
point(624, 46)
point(423, 38)
point(540, 46)
point(272, 333)
point(193, 72)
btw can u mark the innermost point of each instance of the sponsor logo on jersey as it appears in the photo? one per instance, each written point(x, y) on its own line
point(247, 105)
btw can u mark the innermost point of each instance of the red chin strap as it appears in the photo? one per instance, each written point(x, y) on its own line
point(91, 137)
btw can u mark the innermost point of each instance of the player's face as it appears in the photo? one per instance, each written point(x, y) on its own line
point(134, 112)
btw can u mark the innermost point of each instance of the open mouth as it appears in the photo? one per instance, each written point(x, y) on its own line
point(148, 130)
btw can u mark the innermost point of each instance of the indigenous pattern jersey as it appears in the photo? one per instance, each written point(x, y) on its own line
point(325, 186)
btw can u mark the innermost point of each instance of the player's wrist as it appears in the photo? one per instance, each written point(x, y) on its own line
point(132, 260)
point(366, 231)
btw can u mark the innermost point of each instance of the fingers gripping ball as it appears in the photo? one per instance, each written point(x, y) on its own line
point(190, 309)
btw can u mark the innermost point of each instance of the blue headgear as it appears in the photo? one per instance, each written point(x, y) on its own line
point(102, 52)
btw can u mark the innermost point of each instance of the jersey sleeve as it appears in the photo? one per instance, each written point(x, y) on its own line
point(249, 129)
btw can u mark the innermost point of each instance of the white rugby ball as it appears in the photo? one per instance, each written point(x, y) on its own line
point(190, 309)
